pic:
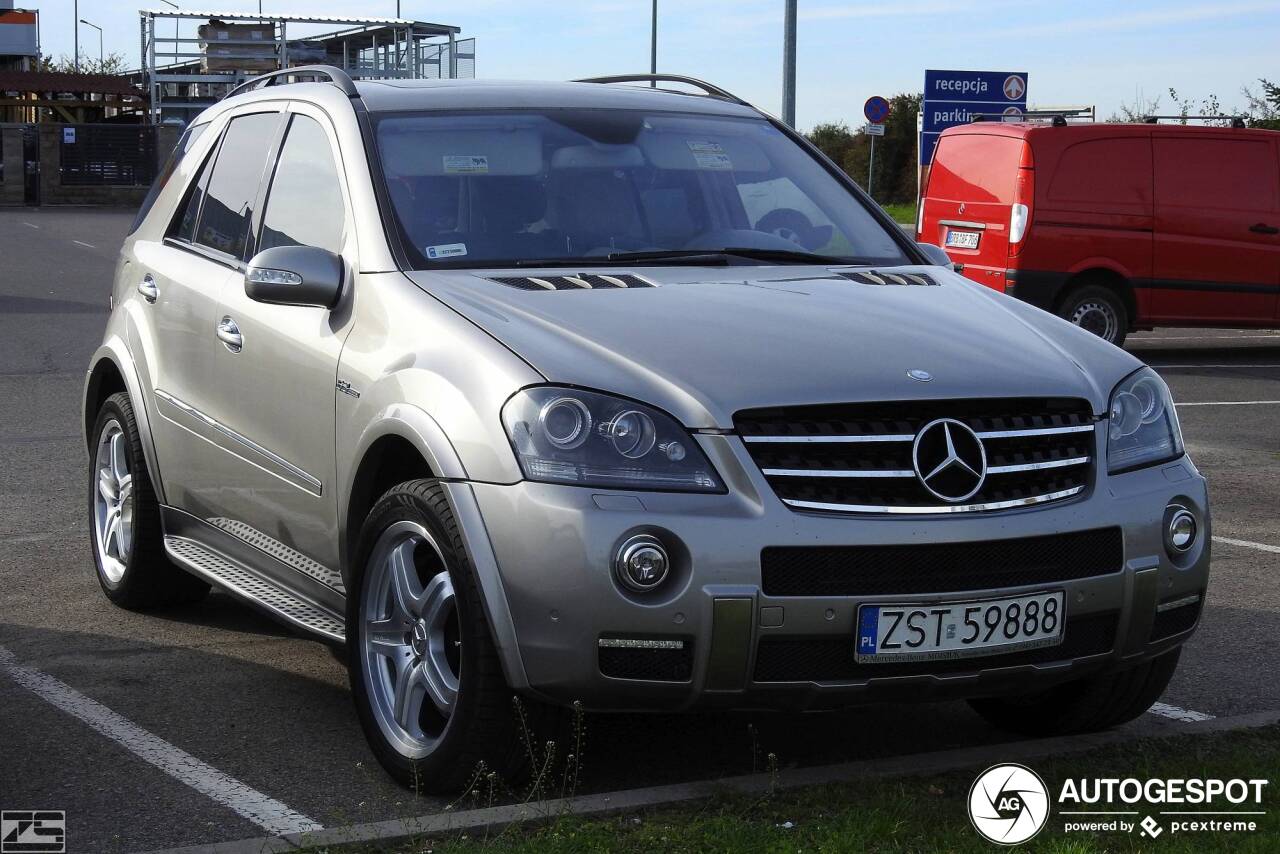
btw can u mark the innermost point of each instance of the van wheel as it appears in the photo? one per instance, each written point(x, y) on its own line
point(1084, 705)
point(1099, 310)
point(124, 518)
point(424, 672)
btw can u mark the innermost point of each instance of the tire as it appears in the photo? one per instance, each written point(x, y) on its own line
point(1099, 310)
point(1085, 705)
point(471, 724)
point(129, 557)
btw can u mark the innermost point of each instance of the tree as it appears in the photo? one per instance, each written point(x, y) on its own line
point(112, 63)
point(896, 157)
point(1264, 106)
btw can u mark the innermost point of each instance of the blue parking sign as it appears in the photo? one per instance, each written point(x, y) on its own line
point(954, 97)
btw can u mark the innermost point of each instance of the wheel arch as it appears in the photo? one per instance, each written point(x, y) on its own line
point(111, 370)
point(1105, 277)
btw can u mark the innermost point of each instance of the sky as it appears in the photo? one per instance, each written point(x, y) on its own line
point(1099, 52)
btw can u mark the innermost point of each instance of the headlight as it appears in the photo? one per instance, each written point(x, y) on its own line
point(1142, 426)
point(584, 438)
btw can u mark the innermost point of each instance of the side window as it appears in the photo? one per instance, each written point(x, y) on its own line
point(180, 149)
point(1109, 171)
point(305, 205)
point(185, 229)
point(233, 185)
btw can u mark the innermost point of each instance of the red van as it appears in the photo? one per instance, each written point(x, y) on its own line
point(1114, 227)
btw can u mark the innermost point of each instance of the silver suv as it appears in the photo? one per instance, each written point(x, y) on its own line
point(620, 395)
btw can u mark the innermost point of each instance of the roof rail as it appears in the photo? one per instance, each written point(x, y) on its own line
point(1236, 121)
point(708, 88)
point(331, 73)
point(1058, 118)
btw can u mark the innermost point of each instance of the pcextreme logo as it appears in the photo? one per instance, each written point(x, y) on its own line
point(1009, 804)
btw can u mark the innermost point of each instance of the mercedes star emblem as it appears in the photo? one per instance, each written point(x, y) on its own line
point(949, 459)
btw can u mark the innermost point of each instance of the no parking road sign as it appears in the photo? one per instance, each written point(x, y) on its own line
point(953, 97)
point(876, 109)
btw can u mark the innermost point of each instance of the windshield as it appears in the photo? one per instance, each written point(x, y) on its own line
point(488, 189)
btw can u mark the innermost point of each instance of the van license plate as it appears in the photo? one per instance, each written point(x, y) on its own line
point(948, 630)
point(963, 239)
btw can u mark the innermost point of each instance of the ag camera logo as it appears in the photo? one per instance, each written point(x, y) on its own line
point(1008, 804)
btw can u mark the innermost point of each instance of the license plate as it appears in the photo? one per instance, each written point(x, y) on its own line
point(963, 239)
point(945, 630)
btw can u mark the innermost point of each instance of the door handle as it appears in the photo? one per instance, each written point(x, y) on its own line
point(229, 334)
point(147, 287)
point(1263, 228)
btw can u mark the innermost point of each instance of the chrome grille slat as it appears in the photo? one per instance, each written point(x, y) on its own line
point(857, 458)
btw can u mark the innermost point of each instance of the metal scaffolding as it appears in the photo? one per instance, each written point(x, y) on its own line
point(176, 72)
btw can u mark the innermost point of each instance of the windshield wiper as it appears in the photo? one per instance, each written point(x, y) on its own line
point(698, 257)
point(796, 256)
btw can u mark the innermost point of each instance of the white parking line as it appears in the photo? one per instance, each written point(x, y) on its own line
point(30, 224)
point(1202, 338)
point(82, 243)
point(1164, 710)
point(1262, 547)
point(1175, 367)
point(269, 814)
point(1230, 403)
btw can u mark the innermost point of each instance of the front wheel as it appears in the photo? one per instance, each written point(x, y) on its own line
point(1099, 310)
point(1084, 705)
point(424, 672)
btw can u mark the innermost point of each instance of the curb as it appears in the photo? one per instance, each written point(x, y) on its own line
point(627, 800)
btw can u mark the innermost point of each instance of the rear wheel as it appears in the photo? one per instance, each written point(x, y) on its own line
point(427, 682)
point(1099, 310)
point(124, 518)
point(1084, 705)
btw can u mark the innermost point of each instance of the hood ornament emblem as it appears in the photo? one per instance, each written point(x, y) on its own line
point(949, 459)
point(919, 375)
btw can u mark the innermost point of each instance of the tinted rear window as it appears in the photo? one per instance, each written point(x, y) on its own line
point(975, 168)
point(234, 184)
point(188, 139)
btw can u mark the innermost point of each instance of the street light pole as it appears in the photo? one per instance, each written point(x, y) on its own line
point(789, 65)
point(653, 46)
point(99, 29)
point(75, 12)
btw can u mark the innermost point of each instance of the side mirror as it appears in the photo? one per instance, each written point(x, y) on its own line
point(936, 254)
point(294, 275)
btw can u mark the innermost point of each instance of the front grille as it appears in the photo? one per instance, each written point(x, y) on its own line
point(858, 458)
point(667, 664)
point(1175, 621)
point(782, 659)
point(939, 567)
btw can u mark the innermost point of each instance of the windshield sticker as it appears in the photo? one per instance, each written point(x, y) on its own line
point(466, 164)
point(447, 250)
point(709, 155)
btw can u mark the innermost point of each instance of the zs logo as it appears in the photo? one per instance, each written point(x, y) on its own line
point(33, 832)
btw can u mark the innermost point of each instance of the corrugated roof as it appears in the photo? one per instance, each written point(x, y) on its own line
point(256, 16)
point(52, 81)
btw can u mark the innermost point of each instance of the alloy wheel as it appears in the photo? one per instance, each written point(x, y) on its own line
point(410, 642)
point(113, 502)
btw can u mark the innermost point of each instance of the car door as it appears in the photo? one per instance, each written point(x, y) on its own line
point(275, 380)
point(180, 279)
point(1216, 259)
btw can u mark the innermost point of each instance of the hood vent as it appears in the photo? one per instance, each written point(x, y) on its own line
point(874, 277)
point(582, 282)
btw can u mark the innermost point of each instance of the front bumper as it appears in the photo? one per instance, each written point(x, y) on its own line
point(552, 548)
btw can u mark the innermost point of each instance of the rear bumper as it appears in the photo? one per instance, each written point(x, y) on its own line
point(554, 546)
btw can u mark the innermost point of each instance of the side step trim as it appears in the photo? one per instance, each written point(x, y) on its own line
point(246, 584)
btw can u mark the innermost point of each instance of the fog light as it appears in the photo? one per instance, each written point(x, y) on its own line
point(1180, 533)
point(642, 563)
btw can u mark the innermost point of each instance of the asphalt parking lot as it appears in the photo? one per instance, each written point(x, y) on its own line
point(220, 685)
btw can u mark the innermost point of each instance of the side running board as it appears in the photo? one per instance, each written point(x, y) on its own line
point(227, 573)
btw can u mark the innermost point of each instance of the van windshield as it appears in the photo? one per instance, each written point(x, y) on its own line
point(484, 189)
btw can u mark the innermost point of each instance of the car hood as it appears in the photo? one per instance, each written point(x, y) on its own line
point(704, 343)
